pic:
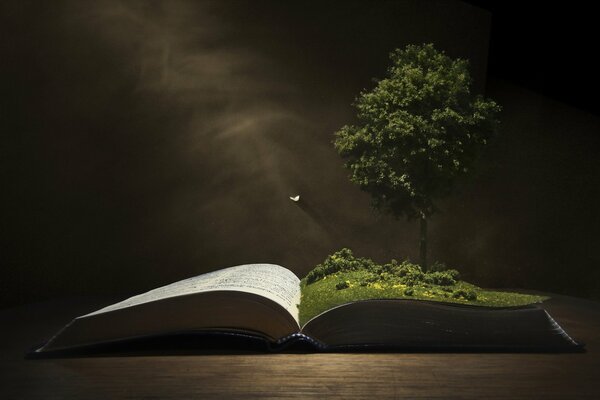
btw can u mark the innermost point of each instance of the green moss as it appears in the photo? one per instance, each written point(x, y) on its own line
point(362, 280)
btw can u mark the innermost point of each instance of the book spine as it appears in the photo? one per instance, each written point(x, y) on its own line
point(297, 341)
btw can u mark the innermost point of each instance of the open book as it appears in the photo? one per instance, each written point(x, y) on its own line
point(262, 300)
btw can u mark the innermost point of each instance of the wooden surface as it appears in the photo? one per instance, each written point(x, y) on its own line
point(386, 375)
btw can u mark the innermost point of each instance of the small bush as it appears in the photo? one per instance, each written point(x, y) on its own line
point(442, 278)
point(466, 294)
point(342, 260)
point(342, 285)
point(410, 274)
point(369, 278)
point(404, 273)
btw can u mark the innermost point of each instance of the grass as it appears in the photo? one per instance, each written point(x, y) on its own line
point(369, 282)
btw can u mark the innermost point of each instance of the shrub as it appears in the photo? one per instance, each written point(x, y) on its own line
point(466, 294)
point(369, 278)
point(342, 260)
point(442, 278)
point(409, 274)
point(342, 285)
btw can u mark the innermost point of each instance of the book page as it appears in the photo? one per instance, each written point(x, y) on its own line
point(268, 280)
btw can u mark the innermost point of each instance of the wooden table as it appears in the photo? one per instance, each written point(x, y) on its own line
point(384, 375)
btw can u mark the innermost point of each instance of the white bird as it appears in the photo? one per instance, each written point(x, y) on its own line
point(295, 198)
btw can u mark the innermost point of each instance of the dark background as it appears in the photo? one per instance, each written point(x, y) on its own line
point(548, 48)
point(145, 142)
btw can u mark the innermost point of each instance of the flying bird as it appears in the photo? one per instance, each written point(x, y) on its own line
point(295, 198)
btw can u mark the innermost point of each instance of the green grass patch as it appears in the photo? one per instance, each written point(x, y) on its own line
point(342, 279)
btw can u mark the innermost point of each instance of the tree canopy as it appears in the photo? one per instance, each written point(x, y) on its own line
point(418, 130)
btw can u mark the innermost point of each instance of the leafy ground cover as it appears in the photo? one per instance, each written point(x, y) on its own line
point(343, 278)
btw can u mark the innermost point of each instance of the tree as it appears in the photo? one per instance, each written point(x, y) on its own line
point(417, 132)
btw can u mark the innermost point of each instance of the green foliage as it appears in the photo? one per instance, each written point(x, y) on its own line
point(343, 278)
point(465, 294)
point(342, 260)
point(418, 130)
point(442, 278)
point(404, 273)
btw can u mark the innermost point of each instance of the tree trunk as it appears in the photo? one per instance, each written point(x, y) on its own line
point(423, 247)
